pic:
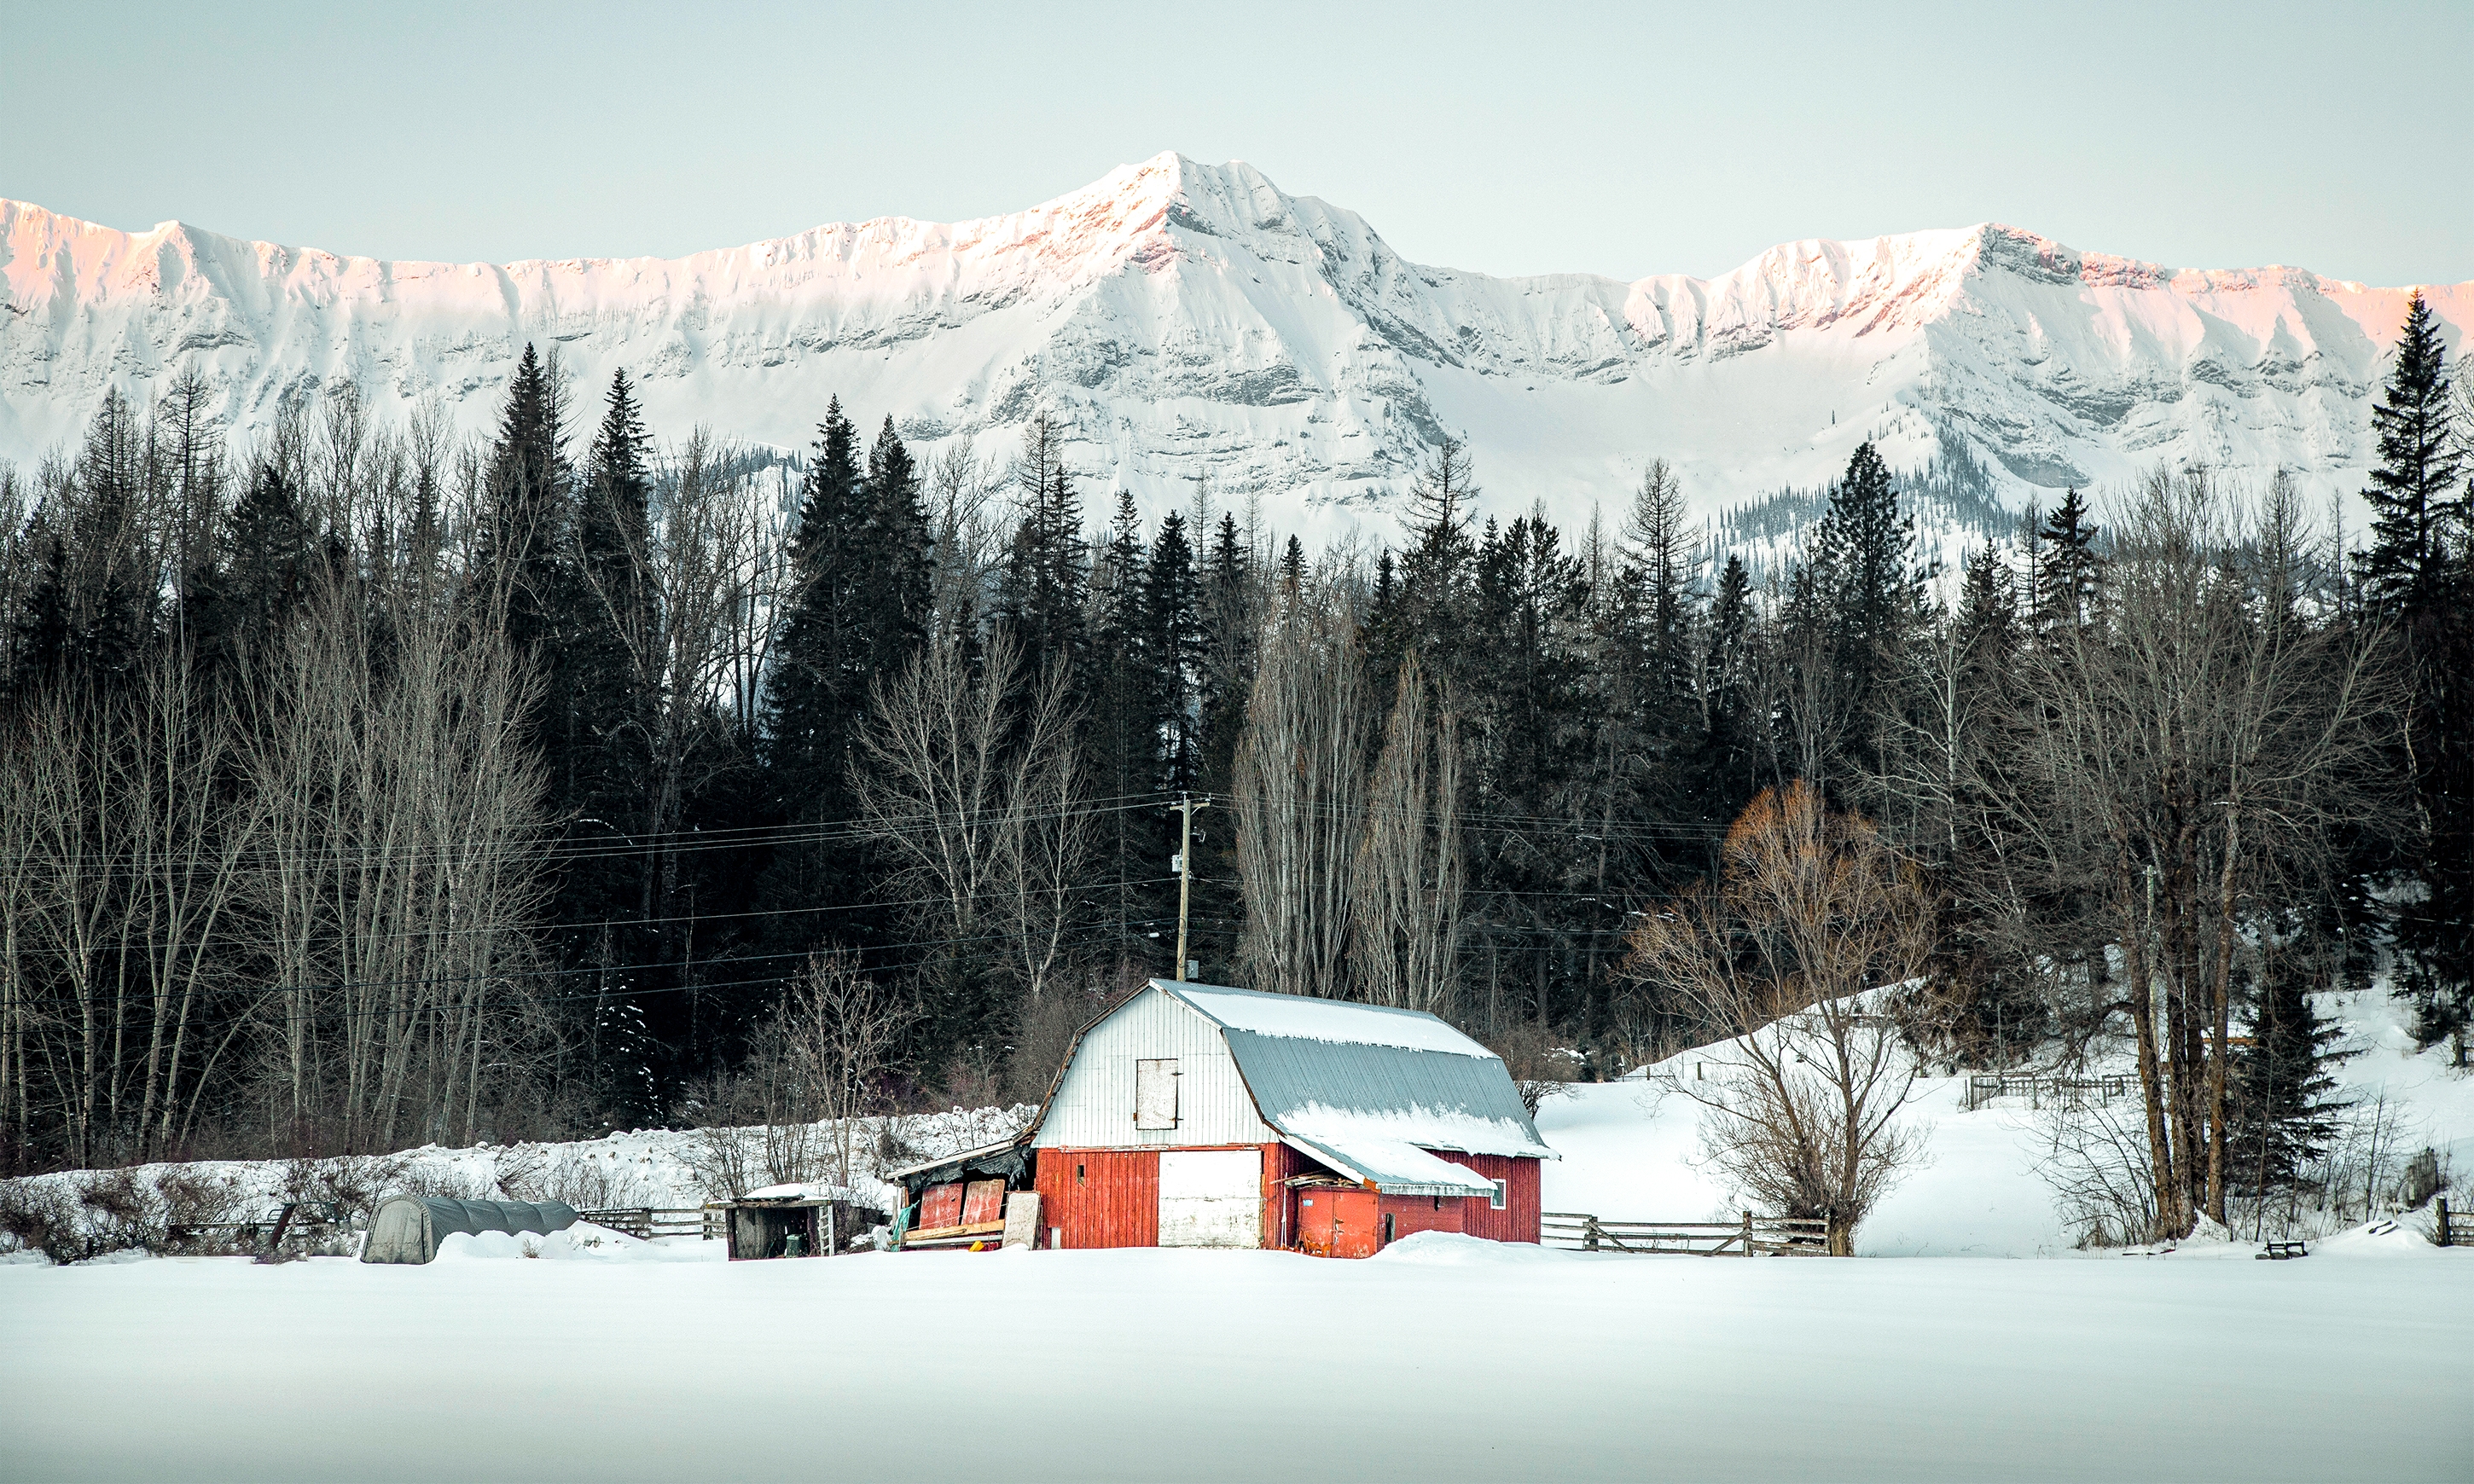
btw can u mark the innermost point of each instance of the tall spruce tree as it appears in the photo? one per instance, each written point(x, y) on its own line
point(2418, 503)
point(1431, 606)
point(1864, 550)
point(1173, 647)
point(2282, 1099)
point(2419, 575)
point(1125, 715)
point(608, 656)
point(2065, 572)
point(1229, 629)
point(264, 572)
point(1042, 591)
point(900, 575)
point(814, 691)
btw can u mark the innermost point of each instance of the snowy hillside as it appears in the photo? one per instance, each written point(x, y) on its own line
point(1628, 1152)
point(1632, 1152)
point(1192, 320)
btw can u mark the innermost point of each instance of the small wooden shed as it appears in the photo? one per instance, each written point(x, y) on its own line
point(1201, 1115)
point(798, 1221)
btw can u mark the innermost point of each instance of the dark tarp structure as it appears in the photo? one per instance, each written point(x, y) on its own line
point(408, 1228)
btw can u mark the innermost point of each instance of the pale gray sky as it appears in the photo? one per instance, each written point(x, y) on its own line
point(1504, 137)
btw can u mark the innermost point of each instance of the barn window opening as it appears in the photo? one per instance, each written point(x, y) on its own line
point(1155, 1093)
point(1078, 1174)
point(1502, 1196)
point(1438, 1203)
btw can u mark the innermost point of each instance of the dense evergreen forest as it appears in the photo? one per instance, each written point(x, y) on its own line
point(367, 787)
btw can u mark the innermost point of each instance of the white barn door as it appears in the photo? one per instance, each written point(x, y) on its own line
point(1211, 1198)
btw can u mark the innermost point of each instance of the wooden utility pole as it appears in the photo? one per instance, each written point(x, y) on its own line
point(1185, 808)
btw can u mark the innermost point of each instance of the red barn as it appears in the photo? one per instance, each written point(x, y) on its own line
point(1197, 1115)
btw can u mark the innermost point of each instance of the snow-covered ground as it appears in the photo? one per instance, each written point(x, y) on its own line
point(616, 1359)
point(1630, 1150)
point(1443, 1358)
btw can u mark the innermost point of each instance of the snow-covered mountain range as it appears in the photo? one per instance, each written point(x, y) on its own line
point(1189, 320)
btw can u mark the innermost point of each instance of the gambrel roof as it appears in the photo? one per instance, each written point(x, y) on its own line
point(1365, 1090)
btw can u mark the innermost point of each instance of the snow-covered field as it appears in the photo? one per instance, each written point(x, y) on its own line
point(1443, 1358)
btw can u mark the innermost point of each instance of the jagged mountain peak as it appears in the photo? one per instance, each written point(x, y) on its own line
point(1185, 319)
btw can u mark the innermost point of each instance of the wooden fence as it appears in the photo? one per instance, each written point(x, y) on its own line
point(2048, 1092)
point(652, 1221)
point(1751, 1237)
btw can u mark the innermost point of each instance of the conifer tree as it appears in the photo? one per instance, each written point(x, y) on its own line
point(1230, 614)
point(264, 572)
point(1435, 569)
point(1988, 611)
point(2419, 575)
point(1042, 590)
point(815, 687)
point(2417, 505)
point(1173, 648)
point(522, 563)
point(2281, 1094)
point(1662, 550)
point(1124, 721)
point(899, 575)
point(2066, 571)
point(608, 661)
point(1865, 551)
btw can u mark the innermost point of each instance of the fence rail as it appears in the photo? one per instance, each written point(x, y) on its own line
point(651, 1221)
point(1750, 1237)
point(2048, 1092)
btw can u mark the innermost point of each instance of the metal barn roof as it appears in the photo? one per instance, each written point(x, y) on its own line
point(1368, 1090)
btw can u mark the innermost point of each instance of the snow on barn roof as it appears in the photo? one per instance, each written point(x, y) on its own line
point(1300, 1018)
point(1369, 1090)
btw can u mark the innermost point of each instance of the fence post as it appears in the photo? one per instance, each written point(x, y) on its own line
point(2445, 1236)
point(1589, 1233)
point(1748, 1233)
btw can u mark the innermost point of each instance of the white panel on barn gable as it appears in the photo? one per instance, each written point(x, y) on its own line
point(1095, 1104)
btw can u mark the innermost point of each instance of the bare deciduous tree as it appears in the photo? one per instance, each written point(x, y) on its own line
point(399, 816)
point(838, 1029)
point(968, 783)
point(2185, 757)
point(1406, 948)
point(1795, 955)
point(1300, 800)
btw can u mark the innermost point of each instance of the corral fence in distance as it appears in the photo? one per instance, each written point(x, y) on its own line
point(648, 1222)
point(1984, 1087)
point(1750, 1237)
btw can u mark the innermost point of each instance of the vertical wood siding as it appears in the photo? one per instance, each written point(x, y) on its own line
point(1519, 1220)
point(1415, 1214)
point(1113, 1203)
point(1094, 1107)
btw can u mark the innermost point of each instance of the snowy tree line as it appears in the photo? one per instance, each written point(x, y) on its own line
point(368, 786)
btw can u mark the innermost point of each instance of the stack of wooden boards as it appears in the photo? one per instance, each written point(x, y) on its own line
point(975, 1215)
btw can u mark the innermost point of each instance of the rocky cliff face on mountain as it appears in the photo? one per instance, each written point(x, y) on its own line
point(1190, 320)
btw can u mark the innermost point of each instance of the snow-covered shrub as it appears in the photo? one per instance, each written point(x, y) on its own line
point(72, 1218)
point(584, 1181)
point(38, 1215)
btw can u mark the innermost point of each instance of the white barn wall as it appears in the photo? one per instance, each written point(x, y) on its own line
point(1094, 1107)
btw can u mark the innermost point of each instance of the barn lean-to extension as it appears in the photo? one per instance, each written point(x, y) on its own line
point(1200, 1116)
